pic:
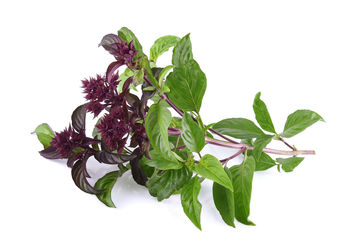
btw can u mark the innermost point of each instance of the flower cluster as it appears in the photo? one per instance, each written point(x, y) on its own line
point(68, 140)
point(114, 128)
point(124, 52)
point(101, 93)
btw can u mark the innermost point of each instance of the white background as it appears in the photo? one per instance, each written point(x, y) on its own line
point(297, 53)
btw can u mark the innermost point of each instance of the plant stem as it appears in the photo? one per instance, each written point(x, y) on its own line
point(282, 139)
point(224, 161)
point(266, 150)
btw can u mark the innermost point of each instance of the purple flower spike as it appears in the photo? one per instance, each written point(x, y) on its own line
point(114, 129)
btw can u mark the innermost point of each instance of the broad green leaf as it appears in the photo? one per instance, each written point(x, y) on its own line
point(189, 200)
point(163, 73)
point(192, 134)
point(224, 202)
point(44, 134)
point(299, 121)
point(239, 128)
point(289, 164)
point(265, 162)
point(260, 143)
point(262, 115)
point(242, 178)
point(106, 184)
point(187, 86)
point(127, 35)
point(162, 45)
point(157, 123)
point(164, 185)
point(162, 162)
point(211, 168)
point(182, 53)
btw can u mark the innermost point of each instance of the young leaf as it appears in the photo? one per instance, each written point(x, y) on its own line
point(192, 134)
point(224, 202)
point(289, 164)
point(262, 115)
point(211, 168)
point(242, 178)
point(239, 128)
point(78, 118)
point(161, 45)
point(106, 184)
point(44, 134)
point(187, 86)
point(163, 162)
point(299, 121)
point(128, 36)
point(122, 78)
point(163, 73)
point(189, 200)
point(260, 143)
point(157, 123)
point(164, 185)
point(182, 53)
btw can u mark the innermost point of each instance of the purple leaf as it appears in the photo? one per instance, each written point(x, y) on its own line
point(109, 42)
point(78, 118)
point(80, 175)
point(113, 158)
point(137, 173)
point(51, 153)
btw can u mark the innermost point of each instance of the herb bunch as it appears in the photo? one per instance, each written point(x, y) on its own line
point(138, 133)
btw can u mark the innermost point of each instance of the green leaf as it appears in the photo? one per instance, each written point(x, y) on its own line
point(189, 200)
point(123, 77)
point(260, 143)
point(192, 134)
point(164, 185)
point(262, 115)
point(242, 178)
point(162, 162)
point(224, 202)
point(157, 123)
point(127, 35)
point(289, 164)
point(44, 134)
point(162, 45)
point(211, 168)
point(106, 184)
point(239, 128)
point(299, 121)
point(187, 86)
point(182, 53)
point(162, 74)
point(265, 162)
